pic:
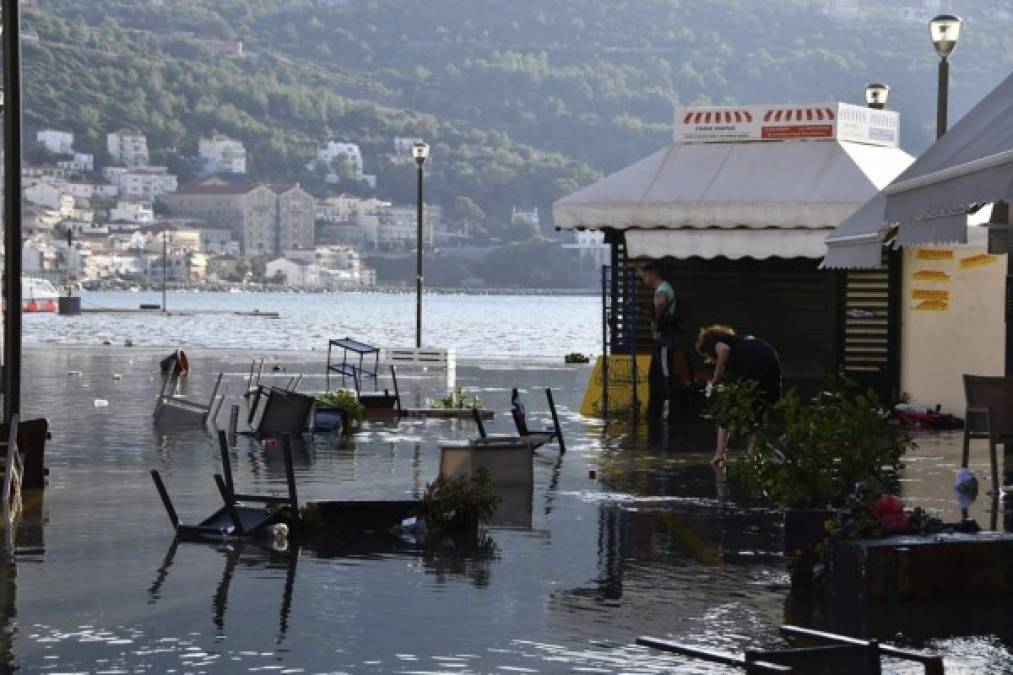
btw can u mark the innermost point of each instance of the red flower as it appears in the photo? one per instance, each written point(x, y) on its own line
point(887, 504)
point(890, 511)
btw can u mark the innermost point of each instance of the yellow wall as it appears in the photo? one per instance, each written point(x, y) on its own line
point(953, 320)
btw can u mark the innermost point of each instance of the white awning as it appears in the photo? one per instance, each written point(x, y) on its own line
point(791, 185)
point(971, 164)
point(725, 243)
point(857, 243)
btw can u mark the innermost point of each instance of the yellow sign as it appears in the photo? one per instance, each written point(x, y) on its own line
point(934, 254)
point(930, 294)
point(621, 375)
point(977, 261)
point(931, 275)
point(932, 306)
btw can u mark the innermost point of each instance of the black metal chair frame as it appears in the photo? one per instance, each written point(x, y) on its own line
point(535, 439)
point(246, 520)
point(847, 654)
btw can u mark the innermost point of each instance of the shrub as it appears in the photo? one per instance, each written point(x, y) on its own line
point(453, 503)
point(813, 454)
point(345, 400)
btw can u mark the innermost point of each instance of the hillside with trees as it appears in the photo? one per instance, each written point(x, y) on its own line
point(523, 101)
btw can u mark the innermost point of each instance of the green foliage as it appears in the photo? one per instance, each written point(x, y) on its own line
point(456, 400)
point(736, 406)
point(518, 99)
point(812, 454)
point(455, 503)
point(343, 399)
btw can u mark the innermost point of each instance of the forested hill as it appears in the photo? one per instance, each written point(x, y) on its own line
point(523, 100)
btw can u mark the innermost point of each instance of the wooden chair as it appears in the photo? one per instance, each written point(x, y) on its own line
point(989, 416)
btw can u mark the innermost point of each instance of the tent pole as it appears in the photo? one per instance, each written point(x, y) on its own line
point(12, 208)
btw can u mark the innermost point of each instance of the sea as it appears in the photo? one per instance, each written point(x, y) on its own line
point(630, 532)
point(475, 326)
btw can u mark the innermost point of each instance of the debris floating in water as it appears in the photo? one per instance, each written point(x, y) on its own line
point(117, 376)
point(73, 373)
point(101, 403)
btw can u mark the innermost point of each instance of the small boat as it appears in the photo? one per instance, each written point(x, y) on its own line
point(38, 295)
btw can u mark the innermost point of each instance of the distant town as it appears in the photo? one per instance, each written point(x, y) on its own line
point(120, 224)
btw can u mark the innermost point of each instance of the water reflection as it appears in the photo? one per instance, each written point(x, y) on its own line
point(27, 546)
point(238, 554)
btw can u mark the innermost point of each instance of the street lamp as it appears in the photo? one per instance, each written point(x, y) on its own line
point(165, 257)
point(944, 31)
point(420, 151)
point(876, 95)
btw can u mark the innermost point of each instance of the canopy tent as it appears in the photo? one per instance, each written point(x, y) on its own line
point(857, 243)
point(971, 165)
point(733, 244)
point(734, 199)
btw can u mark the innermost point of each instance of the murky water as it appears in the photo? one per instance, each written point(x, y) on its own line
point(651, 545)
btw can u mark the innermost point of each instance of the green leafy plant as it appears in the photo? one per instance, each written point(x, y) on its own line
point(456, 400)
point(451, 504)
point(576, 357)
point(736, 406)
point(344, 400)
point(813, 454)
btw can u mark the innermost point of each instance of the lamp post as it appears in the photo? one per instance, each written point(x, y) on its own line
point(876, 95)
point(944, 31)
point(420, 151)
point(165, 257)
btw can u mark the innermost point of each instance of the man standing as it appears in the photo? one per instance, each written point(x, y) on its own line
point(662, 313)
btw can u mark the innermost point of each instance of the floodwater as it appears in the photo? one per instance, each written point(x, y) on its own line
point(652, 544)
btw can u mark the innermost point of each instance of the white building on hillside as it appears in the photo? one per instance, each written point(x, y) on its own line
point(128, 147)
point(82, 162)
point(222, 154)
point(294, 273)
point(334, 154)
point(57, 142)
point(403, 149)
point(146, 183)
point(132, 212)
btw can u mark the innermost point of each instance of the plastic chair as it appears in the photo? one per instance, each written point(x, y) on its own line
point(989, 415)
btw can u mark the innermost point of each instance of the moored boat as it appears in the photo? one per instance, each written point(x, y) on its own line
point(38, 295)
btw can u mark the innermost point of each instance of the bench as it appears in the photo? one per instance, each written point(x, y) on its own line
point(420, 357)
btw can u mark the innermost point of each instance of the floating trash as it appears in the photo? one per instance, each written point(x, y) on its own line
point(73, 373)
point(101, 403)
point(117, 376)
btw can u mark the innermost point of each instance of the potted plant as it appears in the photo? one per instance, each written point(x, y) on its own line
point(808, 458)
point(456, 400)
point(337, 410)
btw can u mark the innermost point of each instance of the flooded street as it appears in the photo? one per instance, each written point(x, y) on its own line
point(652, 545)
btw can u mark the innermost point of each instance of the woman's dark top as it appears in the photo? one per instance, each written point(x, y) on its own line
point(752, 359)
